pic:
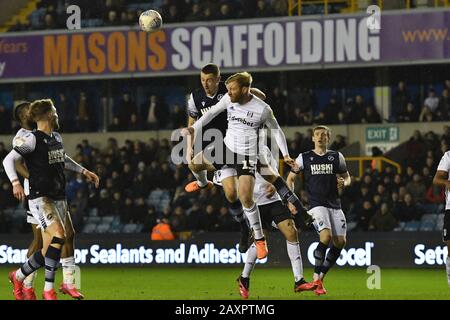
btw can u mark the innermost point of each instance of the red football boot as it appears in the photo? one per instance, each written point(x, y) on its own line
point(193, 186)
point(302, 285)
point(244, 286)
point(17, 285)
point(49, 295)
point(71, 291)
point(320, 289)
point(28, 294)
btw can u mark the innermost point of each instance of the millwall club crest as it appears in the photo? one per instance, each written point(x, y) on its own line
point(330, 158)
point(219, 96)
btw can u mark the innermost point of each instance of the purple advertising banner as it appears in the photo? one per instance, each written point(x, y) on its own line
point(269, 44)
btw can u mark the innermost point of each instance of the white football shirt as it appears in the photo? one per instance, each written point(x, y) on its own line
point(444, 165)
point(18, 140)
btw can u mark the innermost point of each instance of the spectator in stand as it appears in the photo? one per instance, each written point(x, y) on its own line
point(178, 117)
point(135, 123)
point(162, 230)
point(195, 14)
point(104, 206)
point(357, 111)
point(338, 143)
point(277, 99)
point(225, 12)
point(209, 219)
point(411, 114)
point(431, 102)
point(400, 101)
point(150, 218)
point(370, 115)
point(444, 105)
point(435, 195)
point(125, 109)
point(383, 220)
point(407, 210)
point(179, 220)
point(78, 209)
point(224, 221)
point(417, 189)
point(364, 215)
point(263, 9)
point(155, 113)
point(331, 110)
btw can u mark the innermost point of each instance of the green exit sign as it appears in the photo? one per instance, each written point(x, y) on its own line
point(382, 134)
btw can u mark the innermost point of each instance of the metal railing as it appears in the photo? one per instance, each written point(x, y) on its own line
point(296, 6)
point(375, 163)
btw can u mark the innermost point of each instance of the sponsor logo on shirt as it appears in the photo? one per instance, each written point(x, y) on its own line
point(321, 169)
point(241, 120)
point(56, 156)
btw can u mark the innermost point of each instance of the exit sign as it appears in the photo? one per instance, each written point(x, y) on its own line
point(382, 134)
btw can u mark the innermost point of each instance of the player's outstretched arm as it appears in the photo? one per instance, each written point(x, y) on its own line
point(72, 165)
point(258, 93)
point(10, 169)
point(272, 123)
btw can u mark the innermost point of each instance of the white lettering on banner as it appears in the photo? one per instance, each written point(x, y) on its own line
point(275, 43)
point(346, 46)
point(239, 44)
point(222, 49)
point(351, 256)
point(431, 257)
point(274, 35)
point(369, 46)
point(180, 60)
point(2, 68)
point(329, 41)
point(254, 43)
point(201, 38)
point(311, 42)
point(292, 57)
point(10, 255)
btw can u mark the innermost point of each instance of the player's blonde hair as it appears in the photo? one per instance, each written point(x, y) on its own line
point(39, 108)
point(244, 79)
point(328, 130)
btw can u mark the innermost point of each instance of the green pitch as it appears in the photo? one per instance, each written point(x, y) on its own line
point(266, 283)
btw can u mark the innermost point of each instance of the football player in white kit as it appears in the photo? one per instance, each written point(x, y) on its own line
point(325, 171)
point(246, 114)
point(442, 178)
point(20, 115)
point(273, 212)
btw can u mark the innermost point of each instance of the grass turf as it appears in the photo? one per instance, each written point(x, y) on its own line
point(220, 283)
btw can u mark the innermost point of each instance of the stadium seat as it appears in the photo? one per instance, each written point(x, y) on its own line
point(412, 226)
point(351, 225)
point(107, 219)
point(400, 226)
point(427, 225)
point(103, 227)
point(429, 217)
point(93, 212)
point(89, 228)
point(439, 222)
point(129, 228)
point(93, 220)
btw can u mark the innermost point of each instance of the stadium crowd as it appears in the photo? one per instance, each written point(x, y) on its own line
point(141, 186)
point(295, 106)
point(51, 14)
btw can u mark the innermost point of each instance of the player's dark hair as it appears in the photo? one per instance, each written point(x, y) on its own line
point(19, 109)
point(40, 108)
point(211, 68)
point(328, 130)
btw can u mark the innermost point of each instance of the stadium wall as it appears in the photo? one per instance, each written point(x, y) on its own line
point(354, 133)
point(384, 249)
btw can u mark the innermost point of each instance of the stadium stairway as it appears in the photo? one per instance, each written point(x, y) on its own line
point(27, 7)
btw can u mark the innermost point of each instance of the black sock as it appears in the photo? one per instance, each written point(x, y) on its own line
point(331, 258)
point(237, 212)
point(51, 263)
point(33, 263)
point(286, 194)
point(319, 256)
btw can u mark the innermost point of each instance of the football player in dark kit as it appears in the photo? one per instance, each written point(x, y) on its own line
point(200, 101)
point(325, 171)
point(46, 160)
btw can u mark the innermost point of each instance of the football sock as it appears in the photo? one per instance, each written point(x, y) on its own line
point(68, 266)
point(330, 260)
point(293, 249)
point(254, 219)
point(51, 265)
point(202, 178)
point(237, 211)
point(250, 261)
point(286, 194)
point(448, 269)
point(33, 263)
point(29, 280)
point(319, 256)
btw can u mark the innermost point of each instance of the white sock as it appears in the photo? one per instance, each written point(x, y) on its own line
point(68, 267)
point(29, 281)
point(250, 262)
point(254, 219)
point(19, 275)
point(48, 286)
point(293, 249)
point(448, 269)
point(202, 177)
